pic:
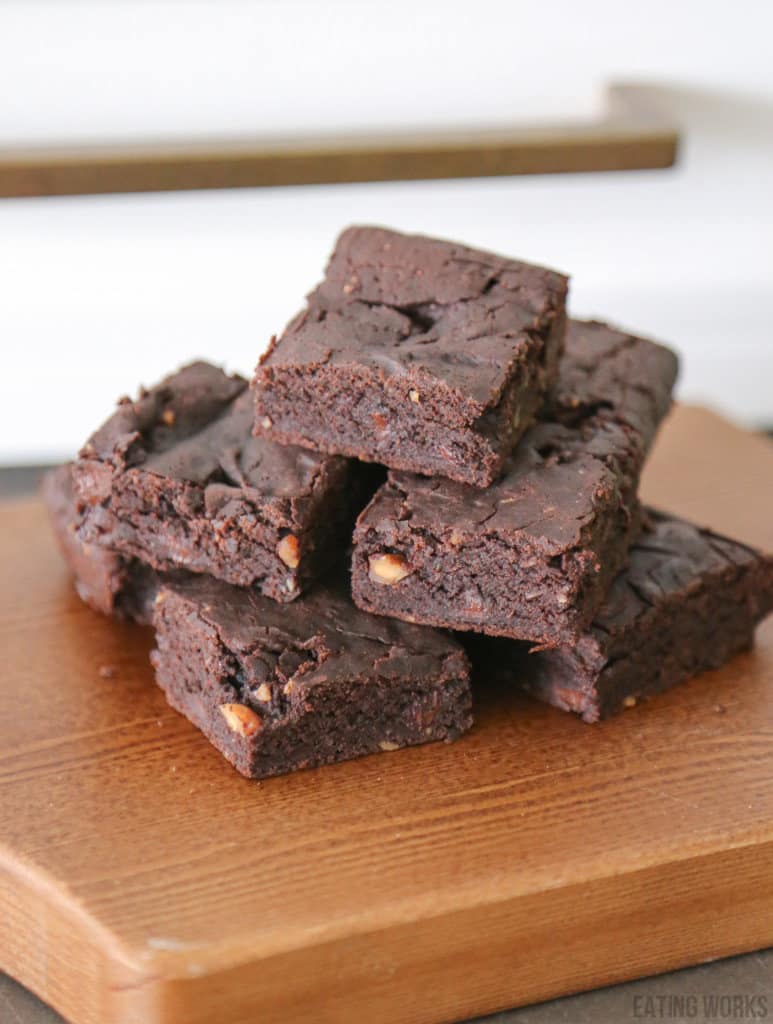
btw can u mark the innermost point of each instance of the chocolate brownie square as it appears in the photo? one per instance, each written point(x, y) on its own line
point(532, 556)
point(416, 353)
point(689, 600)
point(176, 480)
point(278, 688)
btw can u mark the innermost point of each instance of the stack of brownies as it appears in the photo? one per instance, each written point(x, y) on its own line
point(308, 603)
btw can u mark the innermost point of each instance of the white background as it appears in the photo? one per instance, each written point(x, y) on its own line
point(99, 294)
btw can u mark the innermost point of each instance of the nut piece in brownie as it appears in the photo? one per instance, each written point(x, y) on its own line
point(416, 353)
point(689, 600)
point(277, 688)
point(176, 480)
point(532, 556)
point(108, 583)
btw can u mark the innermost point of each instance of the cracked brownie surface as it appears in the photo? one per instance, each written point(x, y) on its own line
point(417, 353)
point(279, 688)
point(531, 556)
point(176, 480)
point(688, 601)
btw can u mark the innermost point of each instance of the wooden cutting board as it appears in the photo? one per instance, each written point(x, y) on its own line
point(142, 880)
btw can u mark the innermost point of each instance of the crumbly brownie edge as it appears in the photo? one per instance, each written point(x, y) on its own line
point(103, 580)
point(150, 518)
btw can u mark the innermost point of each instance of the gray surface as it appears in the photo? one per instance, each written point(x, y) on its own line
point(737, 989)
point(15, 482)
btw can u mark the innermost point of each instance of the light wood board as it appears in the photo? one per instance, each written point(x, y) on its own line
point(143, 881)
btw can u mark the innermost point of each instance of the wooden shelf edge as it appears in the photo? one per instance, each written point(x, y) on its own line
point(628, 137)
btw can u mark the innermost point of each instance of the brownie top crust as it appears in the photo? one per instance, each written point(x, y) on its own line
point(550, 500)
point(598, 423)
point(404, 304)
point(673, 557)
point(195, 426)
point(320, 637)
point(611, 376)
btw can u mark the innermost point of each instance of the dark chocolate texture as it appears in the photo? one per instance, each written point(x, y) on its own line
point(176, 480)
point(107, 582)
point(532, 556)
point(420, 354)
point(277, 688)
point(689, 601)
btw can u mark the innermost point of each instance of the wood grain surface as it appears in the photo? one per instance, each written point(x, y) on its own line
point(630, 135)
point(142, 881)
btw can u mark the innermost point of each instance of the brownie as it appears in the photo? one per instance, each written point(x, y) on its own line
point(420, 354)
point(689, 600)
point(176, 480)
point(107, 582)
point(278, 688)
point(532, 556)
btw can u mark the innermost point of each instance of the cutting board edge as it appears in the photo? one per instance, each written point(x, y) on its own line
point(404, 964)
point(159, 959)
